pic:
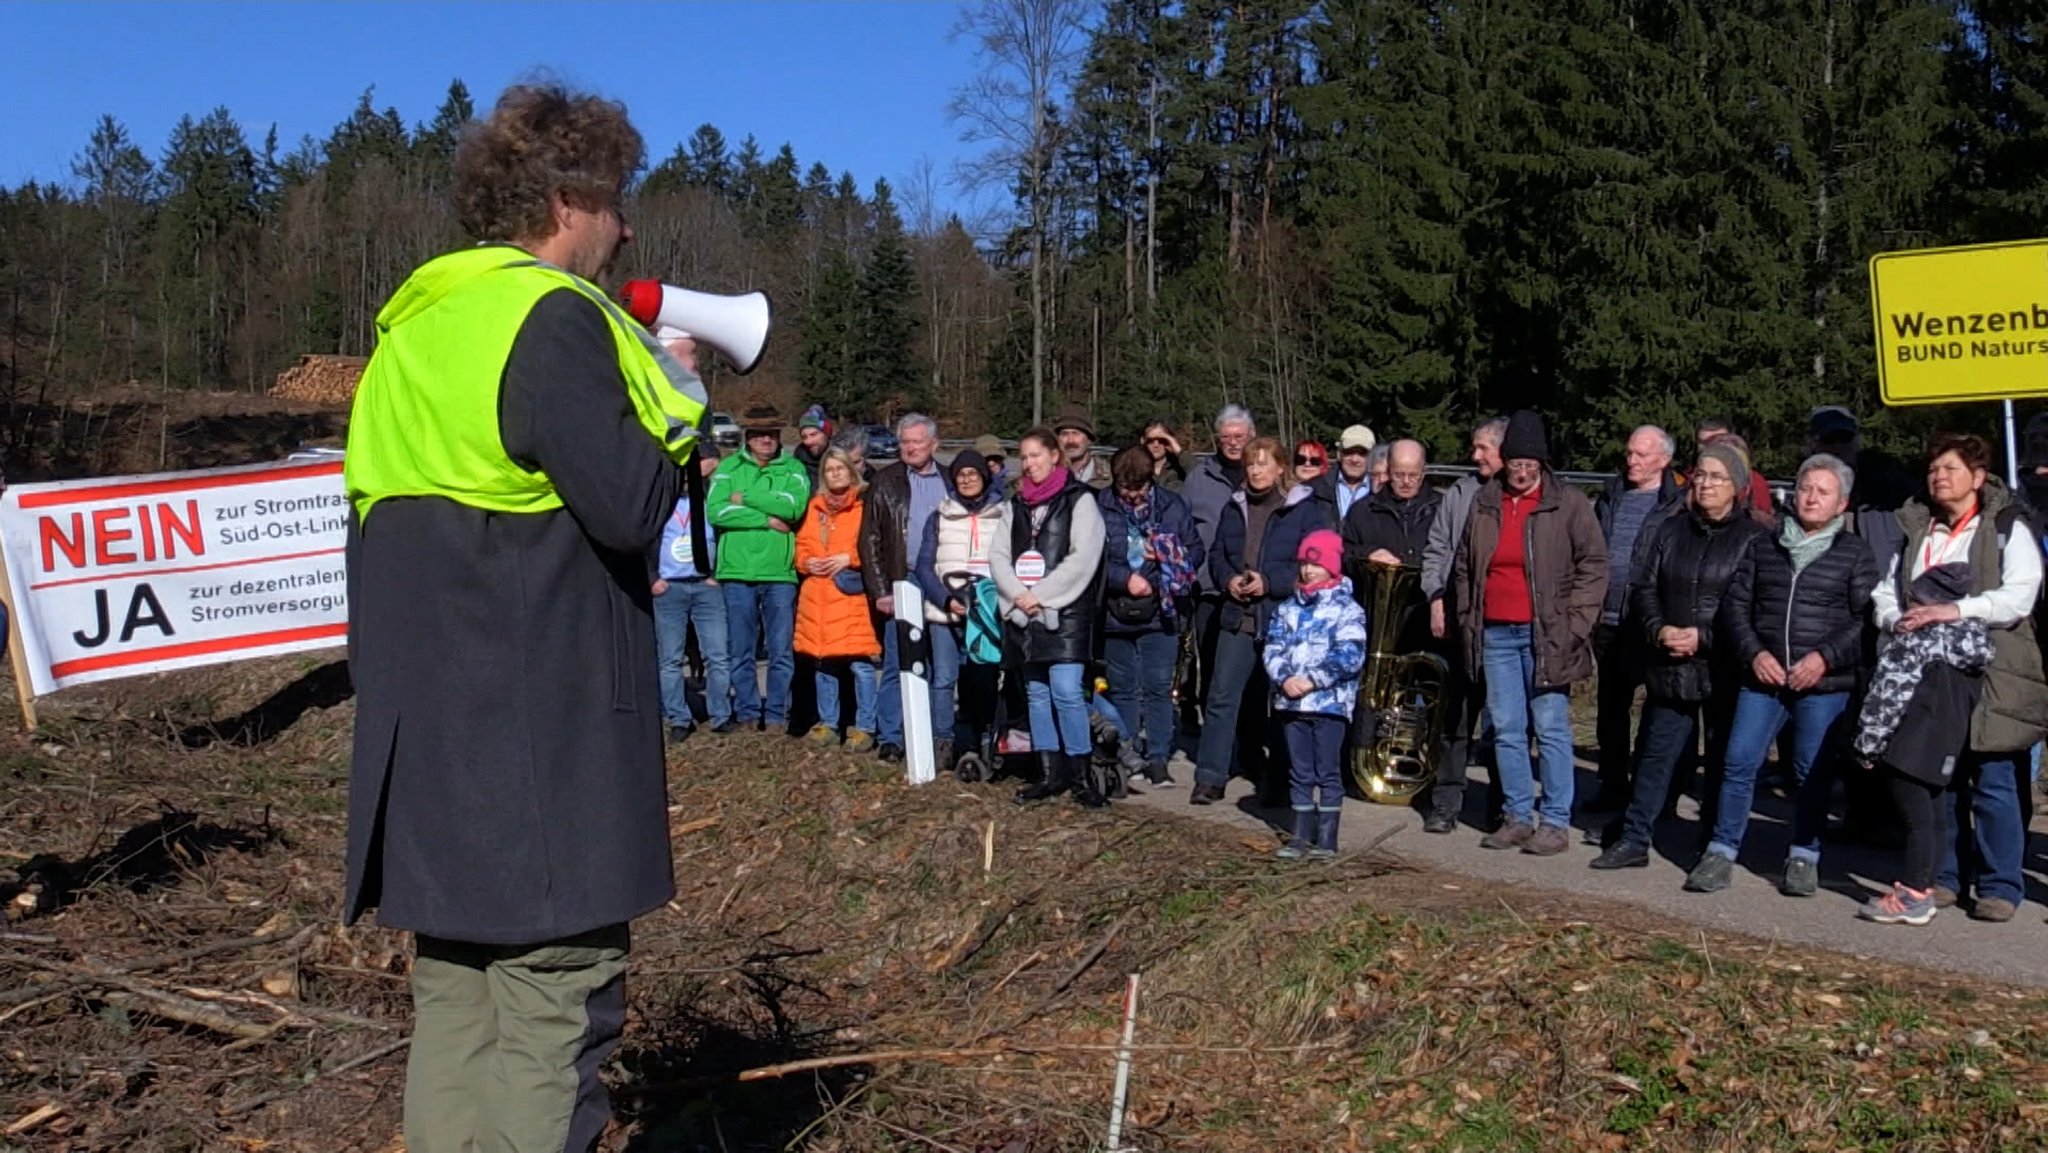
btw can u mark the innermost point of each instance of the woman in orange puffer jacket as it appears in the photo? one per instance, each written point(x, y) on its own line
point(834, 624)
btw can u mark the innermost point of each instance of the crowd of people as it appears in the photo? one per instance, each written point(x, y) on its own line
point(1875, 628)
point(518, 478)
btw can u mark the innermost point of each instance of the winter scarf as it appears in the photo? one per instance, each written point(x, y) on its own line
point(1806, 547)
point(1037, 492)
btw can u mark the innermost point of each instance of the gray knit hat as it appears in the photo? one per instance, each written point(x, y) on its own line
point(1732, 459)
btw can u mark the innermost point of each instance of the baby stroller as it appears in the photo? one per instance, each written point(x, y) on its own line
point(983, 648)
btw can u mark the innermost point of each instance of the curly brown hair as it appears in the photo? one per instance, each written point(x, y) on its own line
point(540, 141)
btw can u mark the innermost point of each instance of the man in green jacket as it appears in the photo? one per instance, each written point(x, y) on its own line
point(756, 499)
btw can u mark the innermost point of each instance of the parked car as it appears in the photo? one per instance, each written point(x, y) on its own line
point(881, 442)
point(725, 431)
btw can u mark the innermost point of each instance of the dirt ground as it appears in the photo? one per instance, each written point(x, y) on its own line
point(936, 968)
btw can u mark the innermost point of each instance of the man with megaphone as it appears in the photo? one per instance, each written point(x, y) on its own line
point(515, 450)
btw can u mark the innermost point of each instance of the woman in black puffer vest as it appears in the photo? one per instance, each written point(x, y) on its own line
point(1795, 617)
point(1681, 571)
point(1048, 574)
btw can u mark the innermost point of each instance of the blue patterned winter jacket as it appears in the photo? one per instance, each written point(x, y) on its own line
point(1320, 636)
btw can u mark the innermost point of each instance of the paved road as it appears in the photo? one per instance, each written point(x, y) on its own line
point(2016, 951)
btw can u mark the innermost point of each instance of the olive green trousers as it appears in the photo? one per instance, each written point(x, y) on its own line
point(508, 1042)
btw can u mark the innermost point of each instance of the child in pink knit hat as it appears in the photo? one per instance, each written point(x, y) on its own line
point(1315, 651)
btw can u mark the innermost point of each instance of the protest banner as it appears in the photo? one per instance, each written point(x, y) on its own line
point(118, 576)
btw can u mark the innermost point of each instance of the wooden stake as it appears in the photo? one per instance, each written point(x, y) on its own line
point(24, 691)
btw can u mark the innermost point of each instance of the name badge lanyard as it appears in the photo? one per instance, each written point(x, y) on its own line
point(1031, 563)
point(676, 551)
point(1929, 557)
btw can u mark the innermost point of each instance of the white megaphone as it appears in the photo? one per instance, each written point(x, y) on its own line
point(734, 325)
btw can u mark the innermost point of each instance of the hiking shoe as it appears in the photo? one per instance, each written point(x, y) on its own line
point(1205, 794)
point(1944, 897)
point(1440, 821)
point(1156, 774)
point(859, 740)
point(677, 734)
point(823, 736)
point(1711, 875)
point(890, 752)
point(1512, 835)
point(1802, 878)
point(1548, 841)
point(724, 729)
point(1992, 909)
point(1900, 906)
point(1623, 855)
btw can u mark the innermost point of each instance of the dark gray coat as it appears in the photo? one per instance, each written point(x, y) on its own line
point(508, 783)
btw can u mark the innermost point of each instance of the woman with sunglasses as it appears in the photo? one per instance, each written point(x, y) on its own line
point(1310, 462)
point(1169, 460)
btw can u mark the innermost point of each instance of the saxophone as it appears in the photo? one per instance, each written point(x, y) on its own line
point(1406, 692)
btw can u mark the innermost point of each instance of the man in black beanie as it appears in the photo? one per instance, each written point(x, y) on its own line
point(1530, 578)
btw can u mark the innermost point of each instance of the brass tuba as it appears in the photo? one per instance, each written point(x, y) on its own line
point(1406, 692)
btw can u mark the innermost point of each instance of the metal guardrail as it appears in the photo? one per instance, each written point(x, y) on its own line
point(1591, 481)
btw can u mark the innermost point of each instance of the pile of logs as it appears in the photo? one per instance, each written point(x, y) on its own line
point(320, 379)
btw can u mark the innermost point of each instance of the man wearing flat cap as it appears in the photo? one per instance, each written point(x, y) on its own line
point(1077, 443)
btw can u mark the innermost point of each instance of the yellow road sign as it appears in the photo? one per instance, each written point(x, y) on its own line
point(1966, 323)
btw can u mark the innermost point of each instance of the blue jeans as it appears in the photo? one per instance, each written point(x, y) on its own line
point(1985, 816)
point(1759, 716)
point(945, 675)
point(863, 674)
point(1236, 685)
point(889, 709)
point(759, 612)
point(1665, 737)
point(686, 603)
point(1140, 671)
point(1059, 709)
point(1315, 760)
point(1513, 702)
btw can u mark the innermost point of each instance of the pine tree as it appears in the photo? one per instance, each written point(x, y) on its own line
point(888, 323)
point(708, 168)
point(433, 143)
point(829, 363)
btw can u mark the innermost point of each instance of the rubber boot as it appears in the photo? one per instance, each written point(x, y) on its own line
point(1052, 780)
point(1082, 775)
point(1303, 840)
point(1326, 833)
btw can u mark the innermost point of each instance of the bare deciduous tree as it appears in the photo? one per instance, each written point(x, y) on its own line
point(1025, 49)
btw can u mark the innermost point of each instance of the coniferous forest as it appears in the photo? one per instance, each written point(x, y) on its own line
point(1407, 212)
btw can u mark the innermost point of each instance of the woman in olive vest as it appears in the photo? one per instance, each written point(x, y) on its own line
point(1048, 570)
point(1967, 519)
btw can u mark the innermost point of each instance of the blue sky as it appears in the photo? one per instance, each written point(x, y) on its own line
point(859, 85)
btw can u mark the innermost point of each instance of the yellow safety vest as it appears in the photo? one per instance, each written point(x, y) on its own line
point(425, 418)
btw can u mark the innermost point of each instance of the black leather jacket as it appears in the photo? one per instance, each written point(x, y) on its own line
point(1681, 575)
point(1822, 609)
point(885, 549)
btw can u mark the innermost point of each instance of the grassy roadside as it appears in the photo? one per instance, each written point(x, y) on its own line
point(825, 913)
